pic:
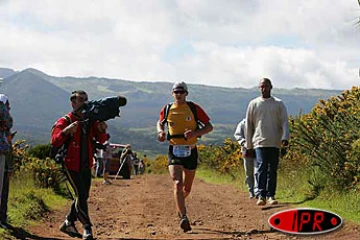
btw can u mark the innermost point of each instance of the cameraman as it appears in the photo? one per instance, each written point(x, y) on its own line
point(78, 162)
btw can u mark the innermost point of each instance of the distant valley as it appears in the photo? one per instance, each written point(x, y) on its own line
point(38, 100)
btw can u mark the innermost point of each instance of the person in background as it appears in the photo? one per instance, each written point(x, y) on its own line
point(6, 163)
point(183, 131)
point(79, 160)
point(99, 162)
point(266, 130)
point(250, 164)
point(127, 156)
point(107, 156)
point(142, 164)
point(135, 163)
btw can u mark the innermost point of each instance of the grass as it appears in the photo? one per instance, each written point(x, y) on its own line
point(212, 176)
point(346, 205)
point(293, 189)
point(27, 203)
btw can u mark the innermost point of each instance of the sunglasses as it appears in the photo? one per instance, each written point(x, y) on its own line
point(179, 92)
point(82, 99)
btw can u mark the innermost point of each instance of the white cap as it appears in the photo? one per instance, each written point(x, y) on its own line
point(3, 98)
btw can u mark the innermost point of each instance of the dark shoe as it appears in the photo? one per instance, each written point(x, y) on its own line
point(70, 230)
point(88, 234)
point(185, 224)
point(251, 195)
point(4, 225)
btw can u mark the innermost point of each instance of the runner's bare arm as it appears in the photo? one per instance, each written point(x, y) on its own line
point(199, 132)
point(161, 134)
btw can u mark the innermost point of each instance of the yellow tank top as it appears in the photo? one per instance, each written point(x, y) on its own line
point(180, 119)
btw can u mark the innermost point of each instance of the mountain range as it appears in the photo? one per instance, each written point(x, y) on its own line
point(38, 100)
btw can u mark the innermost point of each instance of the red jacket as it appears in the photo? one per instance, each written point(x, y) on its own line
point(72, 160)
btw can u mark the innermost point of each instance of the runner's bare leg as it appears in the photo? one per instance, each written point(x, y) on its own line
point(188, 176)
point(176, 174)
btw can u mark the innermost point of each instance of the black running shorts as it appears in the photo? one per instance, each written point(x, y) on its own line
point(189, 163)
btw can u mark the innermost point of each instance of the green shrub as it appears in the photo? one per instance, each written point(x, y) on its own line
point(41, 151)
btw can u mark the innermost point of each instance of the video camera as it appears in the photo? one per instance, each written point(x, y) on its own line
point(103, 109)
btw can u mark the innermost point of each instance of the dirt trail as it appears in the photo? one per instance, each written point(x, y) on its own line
point(143, 208)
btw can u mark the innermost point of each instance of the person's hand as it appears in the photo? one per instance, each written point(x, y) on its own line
point(161, 137)
point(189, 134)
point(71, 129)
point(102, 126)
point(284, 143)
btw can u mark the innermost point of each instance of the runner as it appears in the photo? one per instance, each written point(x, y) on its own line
point(181, 118)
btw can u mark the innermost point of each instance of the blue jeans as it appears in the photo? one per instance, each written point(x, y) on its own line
point(268, 161)
point(250, 166)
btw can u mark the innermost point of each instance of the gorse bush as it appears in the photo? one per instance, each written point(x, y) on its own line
point(46, 173)
point(328, 138)
point(159, 165)
point(224, 158)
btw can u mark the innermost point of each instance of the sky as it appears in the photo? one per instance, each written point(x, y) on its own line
point(228, 43)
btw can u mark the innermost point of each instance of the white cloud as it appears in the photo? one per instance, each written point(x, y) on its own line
point(309, 44)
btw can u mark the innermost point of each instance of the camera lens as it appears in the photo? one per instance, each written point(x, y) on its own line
point(122, 101)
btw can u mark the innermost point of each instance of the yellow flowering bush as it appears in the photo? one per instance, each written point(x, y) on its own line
point(328, 138)
point(159, 164)
point(224, 158)
point(46, 173)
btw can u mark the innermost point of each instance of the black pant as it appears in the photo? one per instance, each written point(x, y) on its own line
point(4, 197)
point(81, 183)
point(136, 169)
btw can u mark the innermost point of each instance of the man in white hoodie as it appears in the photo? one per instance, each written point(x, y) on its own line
point(267, 130)
point(250, 164)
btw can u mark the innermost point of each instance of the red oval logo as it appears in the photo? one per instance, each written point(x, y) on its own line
point(306, 221)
